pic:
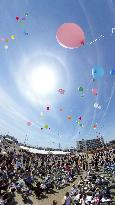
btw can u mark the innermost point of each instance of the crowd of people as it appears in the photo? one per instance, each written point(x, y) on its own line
point(93, 188)
point(31, 174)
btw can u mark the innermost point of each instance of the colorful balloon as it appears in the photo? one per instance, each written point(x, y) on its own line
point(61, 91)
point(69, 117)
point(26, 14)
point(97, 72)
point(46, 126)
point(94, 126)
point(80, 118)
point(23, 18)
point(94, 91)
point(61, 109)
point(17, 18)
point(29, 123)
point(26, 33)
point(6, 47)
point(112, 72)
point(97, 106)
point(7, 40)
point(80, 89)
point(12, 37)
point(41, 114)
point(70, 35)
point(47, 108)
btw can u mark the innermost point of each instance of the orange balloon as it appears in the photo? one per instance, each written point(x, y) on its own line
point(69, 117)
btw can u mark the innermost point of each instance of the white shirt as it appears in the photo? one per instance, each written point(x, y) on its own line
point(76, 198)
point(82, 201)
point(88, 199)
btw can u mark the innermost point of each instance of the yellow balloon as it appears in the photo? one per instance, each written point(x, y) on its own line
point(12, 37)
point(46, 126)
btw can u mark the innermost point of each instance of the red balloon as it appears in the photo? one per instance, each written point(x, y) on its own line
point(17, 18)
point(94, 126)
point(70, 35)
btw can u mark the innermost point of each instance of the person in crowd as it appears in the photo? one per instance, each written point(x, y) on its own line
point(67, 199)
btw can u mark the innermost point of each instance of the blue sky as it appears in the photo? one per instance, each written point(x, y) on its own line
point(19, 103)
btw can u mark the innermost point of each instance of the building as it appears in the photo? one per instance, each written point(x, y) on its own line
point(112, 143)
point(88, 145)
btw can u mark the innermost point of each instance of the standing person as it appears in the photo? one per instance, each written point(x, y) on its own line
point(67, 199)
point(82, 199)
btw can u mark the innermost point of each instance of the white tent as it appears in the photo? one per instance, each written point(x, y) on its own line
point(25, 148)
point(59, 152)
point(36, 151)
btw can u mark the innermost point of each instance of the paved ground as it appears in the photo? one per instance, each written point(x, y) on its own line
point(57, 195)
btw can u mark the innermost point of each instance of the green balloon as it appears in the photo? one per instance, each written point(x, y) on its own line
point(80, 89)
point(46, 126)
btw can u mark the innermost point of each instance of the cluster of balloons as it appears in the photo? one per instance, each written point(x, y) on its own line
point(6, 40)
point(71, 36)
point(79, 121)
point(21, 21)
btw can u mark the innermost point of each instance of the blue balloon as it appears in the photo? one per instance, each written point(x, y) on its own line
point(112, 72)
point(97, 72)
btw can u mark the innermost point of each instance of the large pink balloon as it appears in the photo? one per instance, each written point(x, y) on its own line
point(70, 35)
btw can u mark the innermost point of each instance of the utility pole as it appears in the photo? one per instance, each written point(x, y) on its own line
point(59, 140)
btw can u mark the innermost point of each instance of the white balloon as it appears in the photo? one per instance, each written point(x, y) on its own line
point(97, 106)
point(41, 114)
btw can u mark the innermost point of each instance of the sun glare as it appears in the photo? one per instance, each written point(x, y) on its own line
point(42, 80)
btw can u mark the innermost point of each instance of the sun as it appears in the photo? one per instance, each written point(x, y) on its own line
point(42, 80)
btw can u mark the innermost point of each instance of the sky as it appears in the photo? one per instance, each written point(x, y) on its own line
point(34, 66)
